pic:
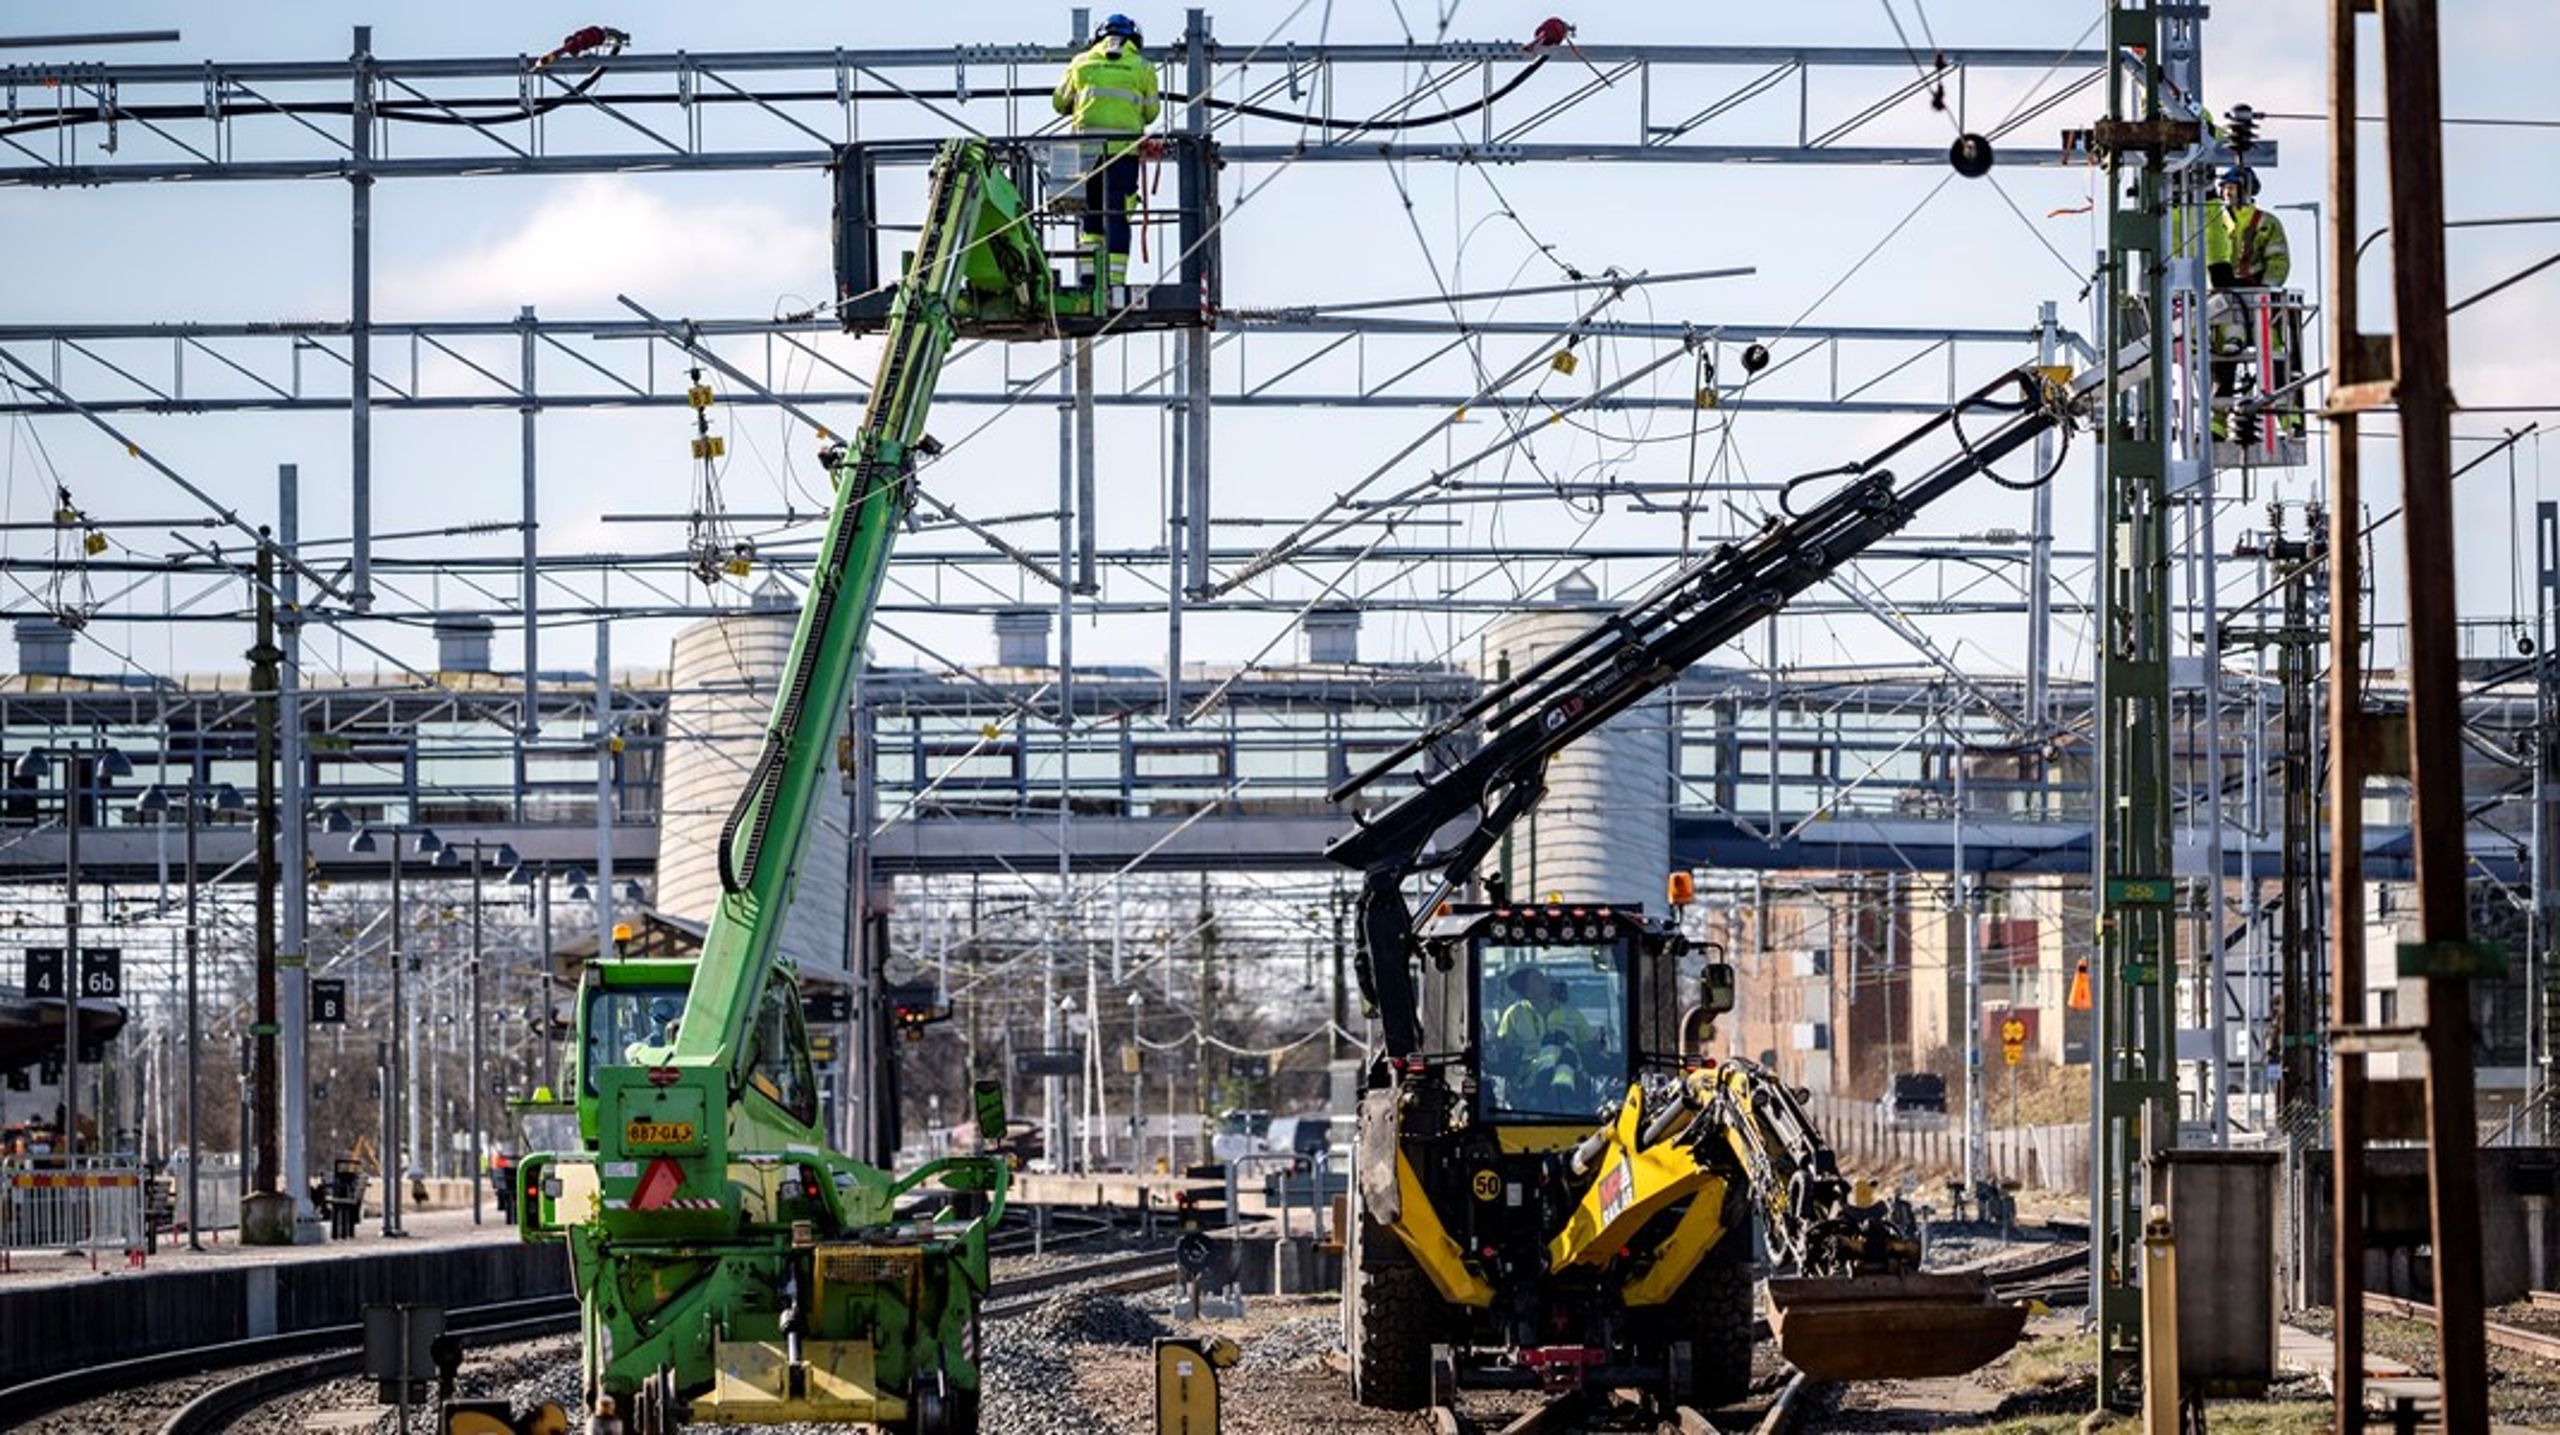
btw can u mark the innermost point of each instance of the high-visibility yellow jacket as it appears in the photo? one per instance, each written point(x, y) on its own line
point(1108, 87)
point(2252, 242)
point(1524, 1028)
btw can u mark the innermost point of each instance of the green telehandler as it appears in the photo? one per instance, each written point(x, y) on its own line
point(734, 1268)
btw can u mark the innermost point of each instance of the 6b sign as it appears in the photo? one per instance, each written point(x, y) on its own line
point(101, 973)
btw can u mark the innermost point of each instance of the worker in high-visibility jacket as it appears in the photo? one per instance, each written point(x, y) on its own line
point(1542, 1041)
point(2245, 250)
point(2245, 246)
point(1110, 89)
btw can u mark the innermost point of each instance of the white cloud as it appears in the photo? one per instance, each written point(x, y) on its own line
point(604, 235)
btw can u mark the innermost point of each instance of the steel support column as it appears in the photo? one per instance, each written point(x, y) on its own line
point(292, 961)
point(2346, 760)
point(265, 660)
point(360, 318)
point(2040, 553)
point(2136, 1079)
point(1196, 43)
point(2545, 948)
point(531, 581)
point(2412, 87)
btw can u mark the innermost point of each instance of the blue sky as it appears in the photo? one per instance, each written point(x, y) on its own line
point(731, 246)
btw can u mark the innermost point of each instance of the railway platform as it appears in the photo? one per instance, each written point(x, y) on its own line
point(25, 1269)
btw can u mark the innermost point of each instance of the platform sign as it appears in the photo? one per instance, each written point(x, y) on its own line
point(101, 973)
point(328, 1001)
point(44, 972)
point(1051, 1061)
point(2141, 891)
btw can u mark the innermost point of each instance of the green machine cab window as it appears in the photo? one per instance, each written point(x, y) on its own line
point(621, 1020)
point(781, 1069)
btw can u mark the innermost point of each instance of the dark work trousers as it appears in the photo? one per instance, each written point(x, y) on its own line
point(1108, 194)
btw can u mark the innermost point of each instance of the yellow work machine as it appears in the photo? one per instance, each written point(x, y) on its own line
point(1555, 1180)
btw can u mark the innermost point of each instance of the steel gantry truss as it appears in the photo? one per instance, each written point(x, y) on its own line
point(91, 124)
point(367, 118)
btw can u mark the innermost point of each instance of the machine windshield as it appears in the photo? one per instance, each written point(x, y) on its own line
point(622, 1019)
point(1555, 1040)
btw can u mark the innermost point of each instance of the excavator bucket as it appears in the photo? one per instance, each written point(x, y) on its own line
point(1905, 1327)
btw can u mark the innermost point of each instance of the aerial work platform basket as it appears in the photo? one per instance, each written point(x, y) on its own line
point(1179, 239)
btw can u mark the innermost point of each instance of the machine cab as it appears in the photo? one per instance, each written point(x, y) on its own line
point(624, 1006)
point(1557, 1006)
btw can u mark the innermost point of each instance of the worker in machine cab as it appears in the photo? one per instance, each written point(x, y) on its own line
point(2245, 251)
point(666, 1019)
point(1541, 1037)
point(1110, 90)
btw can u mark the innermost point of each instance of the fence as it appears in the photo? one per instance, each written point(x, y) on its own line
point(2044, 1158)
point(74, 1203)
point(217, 1192)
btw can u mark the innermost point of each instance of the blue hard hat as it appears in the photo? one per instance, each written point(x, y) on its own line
point(1122, 26)
point(2243, 176)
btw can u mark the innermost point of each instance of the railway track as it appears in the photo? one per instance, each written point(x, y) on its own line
point(219, 1407)
point(1142, 1270)
point(216, 1409)
point(2058, 1278)
point(2538, 1344)
point(288, 1362)
point(281, 1365)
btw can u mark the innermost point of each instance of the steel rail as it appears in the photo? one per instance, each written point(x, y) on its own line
point(1143, 1270)
point(71, 1387)
point(222, 1406)
point(2513, 1337)
point(332, 1352)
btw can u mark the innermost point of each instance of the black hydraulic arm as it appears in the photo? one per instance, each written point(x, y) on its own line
point(1551, 704)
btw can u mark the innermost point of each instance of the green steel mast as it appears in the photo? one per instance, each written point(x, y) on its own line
point(2150, 121)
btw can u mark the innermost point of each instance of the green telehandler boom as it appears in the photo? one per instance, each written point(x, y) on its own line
point(733, 1267)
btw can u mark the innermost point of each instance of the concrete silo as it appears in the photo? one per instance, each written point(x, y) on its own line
point(721, 680)
point(1603, 833)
